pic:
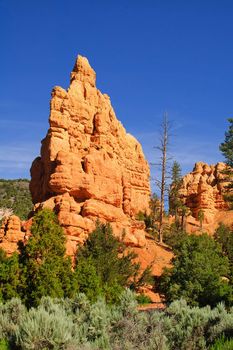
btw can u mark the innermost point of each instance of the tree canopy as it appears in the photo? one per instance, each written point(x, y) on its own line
point(198, 272)
point(45, 268)
point(108, 261)
point(226, 147)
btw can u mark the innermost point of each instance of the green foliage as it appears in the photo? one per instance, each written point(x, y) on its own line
point(87, 280)
point(140, 216)
point(197, 273)
point(174, 200)
point(224, 236)
point(78, 324)
point(11, 315)
point(173, 236)
point(45, 269)
point(9, 276)
point(4, 345)
point(226, 147)
point(151, 219)
point(41, 329)
point(222, 344)
point(110, 265)
point(104, 267)
point(15, 195)
point(143, 299)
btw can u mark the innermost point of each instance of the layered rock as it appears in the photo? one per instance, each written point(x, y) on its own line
point(11, 233)
point(203, 189)
point(89, 167)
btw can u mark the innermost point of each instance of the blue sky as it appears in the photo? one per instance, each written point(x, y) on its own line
point(150, 57)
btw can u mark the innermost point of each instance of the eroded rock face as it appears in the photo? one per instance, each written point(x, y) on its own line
point(89, 167)
point(202, 189)
point(11, 233)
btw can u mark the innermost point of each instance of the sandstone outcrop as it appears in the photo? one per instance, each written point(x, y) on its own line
point(203, 189)
point(89, 167)
point(10, 234)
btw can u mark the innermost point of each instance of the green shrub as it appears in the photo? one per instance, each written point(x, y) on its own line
point(11, 314)
point(78, 324)
point(45, 268)
point(4, 345)
point(9, 276)
point(185, 326)
point(143, 299)
point(107, 264)
point(196, 275)
point(222, 344)
point(40, 330)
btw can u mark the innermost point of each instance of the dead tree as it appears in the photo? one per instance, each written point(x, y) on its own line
point(164, 158)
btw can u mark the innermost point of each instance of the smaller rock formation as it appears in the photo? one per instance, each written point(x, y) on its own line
point(10, 234)
point(203, 189)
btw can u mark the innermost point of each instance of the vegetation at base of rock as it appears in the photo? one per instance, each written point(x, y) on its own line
point(9, 276)
point(103, 266)
point(143, 299)
point(45, 268)
point(107, 264)
point(198, 273)
point(174, 198)
point(173, 235)
point(77, 323)
point(15, 195)
point(151, 220)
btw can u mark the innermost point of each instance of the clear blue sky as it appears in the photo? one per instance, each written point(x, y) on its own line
point(150, 56)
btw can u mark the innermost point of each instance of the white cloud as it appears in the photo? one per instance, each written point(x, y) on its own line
point(16, 161)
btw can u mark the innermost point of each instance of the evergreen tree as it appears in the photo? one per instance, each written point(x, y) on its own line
point(197, 273)
point(226, 148)
point(87, 280)
point(224, 235)
point(46, 270)
point(174, 200)
point(109, 261)
point(9, 276)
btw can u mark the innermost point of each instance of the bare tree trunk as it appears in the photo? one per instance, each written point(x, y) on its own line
point(163, 149)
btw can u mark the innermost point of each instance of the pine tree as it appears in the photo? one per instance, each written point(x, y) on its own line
point(46, 270)
point(174, 200)
point(113, 266)
point(197, 272)
point(226, 148)
point(9, 276)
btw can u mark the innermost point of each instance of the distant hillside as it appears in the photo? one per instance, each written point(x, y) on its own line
point(15, 197)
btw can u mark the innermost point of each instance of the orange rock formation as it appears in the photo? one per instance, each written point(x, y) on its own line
point(203, 189)
point(11, 233)
point(90, 168)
